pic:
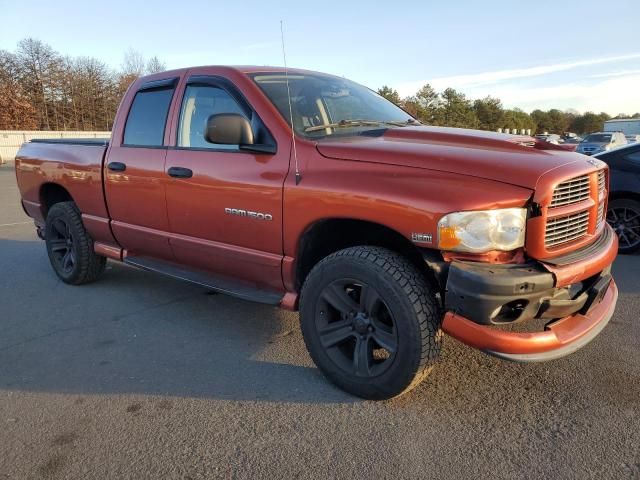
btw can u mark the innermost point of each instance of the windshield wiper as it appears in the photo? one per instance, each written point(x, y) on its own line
point(411, 121)
point(360, 123)
point(344, 124)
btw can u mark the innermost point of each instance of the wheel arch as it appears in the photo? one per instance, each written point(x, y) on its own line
point(51, 193)
point(329, 235)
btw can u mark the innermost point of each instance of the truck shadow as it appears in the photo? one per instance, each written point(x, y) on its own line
point(134, 332)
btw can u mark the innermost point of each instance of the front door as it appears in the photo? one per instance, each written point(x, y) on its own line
point(224, 203)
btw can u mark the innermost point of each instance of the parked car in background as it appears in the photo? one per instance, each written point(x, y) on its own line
point(572, 139)
point(601, 142)
point(553, 138)
point(564, 143)
point(570, 143)
point(633, 138)
point(623, 212)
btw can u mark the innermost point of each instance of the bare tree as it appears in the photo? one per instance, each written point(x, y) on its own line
point(154, 65)
point(41, 89)
point(133, 63)
point(133, 67)
point(36, 59)
point(16, 112)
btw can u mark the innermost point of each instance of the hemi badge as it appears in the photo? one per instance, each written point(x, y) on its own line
point(422, 237)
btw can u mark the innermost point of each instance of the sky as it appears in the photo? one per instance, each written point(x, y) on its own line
point(566, 54)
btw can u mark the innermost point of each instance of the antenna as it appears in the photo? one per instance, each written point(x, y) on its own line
point(293, 133)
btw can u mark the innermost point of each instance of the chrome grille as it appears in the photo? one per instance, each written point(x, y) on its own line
point(567, 228)
point(602, 194)
point(571, 191)
point(601, 184)
point(601, 217)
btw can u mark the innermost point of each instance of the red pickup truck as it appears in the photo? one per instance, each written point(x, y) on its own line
point(311, 192)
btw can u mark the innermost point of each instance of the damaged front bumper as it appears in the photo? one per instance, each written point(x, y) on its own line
point(576, 294)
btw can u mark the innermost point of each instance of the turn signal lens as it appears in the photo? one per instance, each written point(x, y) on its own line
point(448, 238)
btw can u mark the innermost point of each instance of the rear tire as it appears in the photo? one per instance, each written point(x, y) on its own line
point(623, 214)
point(371, 322)
point(69, 246)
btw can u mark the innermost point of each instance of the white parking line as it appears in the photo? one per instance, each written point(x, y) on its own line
point(12, 224)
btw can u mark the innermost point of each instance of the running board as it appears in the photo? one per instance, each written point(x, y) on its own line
point(219, 284)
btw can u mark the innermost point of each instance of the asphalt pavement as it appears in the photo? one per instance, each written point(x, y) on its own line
point(142, 376)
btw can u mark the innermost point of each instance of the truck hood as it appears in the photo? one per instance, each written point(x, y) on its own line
point(512, 159)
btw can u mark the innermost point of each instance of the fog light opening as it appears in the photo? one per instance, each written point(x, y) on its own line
point(509, 312)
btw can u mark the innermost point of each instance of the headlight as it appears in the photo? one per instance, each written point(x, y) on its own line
point(482, 230)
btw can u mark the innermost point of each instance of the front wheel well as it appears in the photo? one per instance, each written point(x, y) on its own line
point(331, 235)
point(52, 193)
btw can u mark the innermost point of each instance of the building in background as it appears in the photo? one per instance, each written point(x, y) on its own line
point(628, 126)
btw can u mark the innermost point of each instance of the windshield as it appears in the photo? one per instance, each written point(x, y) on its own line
point(324, 105)
point(597, 138)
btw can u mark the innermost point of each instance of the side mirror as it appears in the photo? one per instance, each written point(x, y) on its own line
point(228, 129)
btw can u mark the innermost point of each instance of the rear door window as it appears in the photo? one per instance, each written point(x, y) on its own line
point(148, 117)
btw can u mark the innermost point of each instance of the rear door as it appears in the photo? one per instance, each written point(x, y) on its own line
point(135, 180)
point(226, 217)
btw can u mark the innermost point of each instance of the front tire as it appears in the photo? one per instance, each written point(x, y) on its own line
point(69, 246)
point(623, 214)
point(371, 322)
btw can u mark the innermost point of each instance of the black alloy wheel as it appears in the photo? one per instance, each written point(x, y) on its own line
point(356, 328)
point(63, 251)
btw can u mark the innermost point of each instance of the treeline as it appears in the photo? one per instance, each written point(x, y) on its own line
point(41, 89)
point(453, 109)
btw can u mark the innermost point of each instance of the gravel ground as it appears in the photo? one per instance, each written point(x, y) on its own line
point(141, 376)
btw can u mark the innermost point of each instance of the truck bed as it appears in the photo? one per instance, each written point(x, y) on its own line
point(44, 165)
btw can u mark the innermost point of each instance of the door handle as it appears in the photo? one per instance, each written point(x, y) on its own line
point(116, 166)
point(180, 172)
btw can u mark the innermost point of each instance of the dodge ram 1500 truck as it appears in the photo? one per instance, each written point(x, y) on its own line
point(311, 192)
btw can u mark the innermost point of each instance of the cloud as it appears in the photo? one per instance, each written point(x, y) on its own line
point(493, 77)
point(621, 73)
point(612, 92)
point(615, 94)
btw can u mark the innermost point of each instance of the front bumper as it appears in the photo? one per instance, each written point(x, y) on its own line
point(578, 297)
